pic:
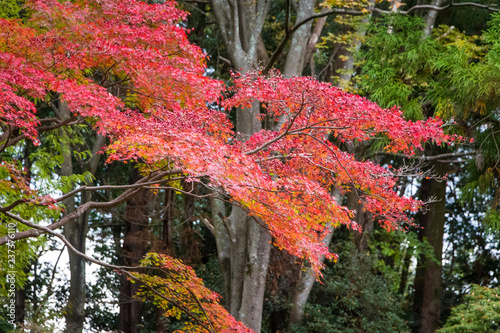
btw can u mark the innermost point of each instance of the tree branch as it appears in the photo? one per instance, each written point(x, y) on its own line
point(340, 11)
point(12, 141)
point(120, 269)
point(131, 190)
point(427, 158)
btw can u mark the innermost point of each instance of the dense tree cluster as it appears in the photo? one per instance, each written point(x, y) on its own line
point(213, 159)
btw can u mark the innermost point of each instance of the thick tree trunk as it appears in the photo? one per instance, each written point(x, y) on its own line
point(249, 265)
point(296, 56)
point(134, 248)
point(243, 245)
point(366, 222)
point(428, 276)
point(243, 248)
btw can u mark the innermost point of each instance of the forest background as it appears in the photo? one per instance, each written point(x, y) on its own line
point(430, 58)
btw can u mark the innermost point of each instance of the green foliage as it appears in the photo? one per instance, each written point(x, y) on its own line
point(48, 158)
point(468, 72)
point(480, 312)
point(9, 8)
point(471, 255)
point(210, 273)
point(5, 326)
point(395, 63)
point(355, 297)
point(492, 220)
point(394, 250)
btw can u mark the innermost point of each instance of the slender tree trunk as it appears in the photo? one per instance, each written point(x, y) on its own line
point(430, 18)
point(75, 232)
point(167, 246)
point(428, 277)
point(20, 311)
point(313, 40)
point(134, 248)
point(427, 302)
point(347, 66)
point(305, 283)
point(306, 280)
point(405, 272)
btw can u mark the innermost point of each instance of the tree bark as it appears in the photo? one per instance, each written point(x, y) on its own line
point(243, 245)
point(313, 40)
point(134, 248)
point(75, 232)
point(430, 18)
point(305, 283)
point(428, 277)
point(296, 56)
point(20, 311)
point(427, 302)
point(348, 65)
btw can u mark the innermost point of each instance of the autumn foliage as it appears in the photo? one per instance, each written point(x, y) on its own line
point(177, 290)
point(128, 68)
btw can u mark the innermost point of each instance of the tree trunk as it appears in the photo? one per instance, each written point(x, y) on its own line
point(427, 302)
point(306, 280)
point(20, 311)
point(347, 66)
point(305, 283)
point(243, 245)
point(428, 276)
point(430, 18)
point(405, 271)
point(296, 57)
point(76, 234)
point(76, 231)
point(134, 248)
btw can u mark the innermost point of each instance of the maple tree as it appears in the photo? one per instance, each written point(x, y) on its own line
point(128, 69)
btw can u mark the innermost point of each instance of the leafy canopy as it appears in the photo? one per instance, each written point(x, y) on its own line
point(128, 68)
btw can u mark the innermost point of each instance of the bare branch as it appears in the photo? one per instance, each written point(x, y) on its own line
point(452, 4)
point(118, 187)
point(132, 190)
point(68, 122)
point(427, 158)
point(121, 269)
point(270, 142)
point(209, 225)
